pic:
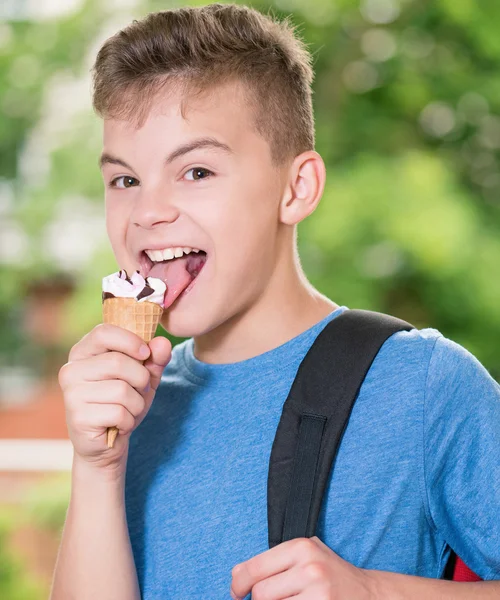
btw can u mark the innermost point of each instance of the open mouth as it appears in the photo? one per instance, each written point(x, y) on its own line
point(177, 273)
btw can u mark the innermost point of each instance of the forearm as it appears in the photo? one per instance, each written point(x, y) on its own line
point(394, 586)
point(95, 557)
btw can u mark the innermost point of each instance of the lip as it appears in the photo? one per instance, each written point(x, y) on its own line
point(172, 245)
point(144, 266)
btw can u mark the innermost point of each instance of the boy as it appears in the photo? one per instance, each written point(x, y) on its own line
point(209, 146)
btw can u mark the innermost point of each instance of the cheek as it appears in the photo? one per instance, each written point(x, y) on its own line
point(245, 230)
point(116, 227)
point(248, 212)
point(245, 255)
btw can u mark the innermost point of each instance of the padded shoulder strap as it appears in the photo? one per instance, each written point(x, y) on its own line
point(314, 418)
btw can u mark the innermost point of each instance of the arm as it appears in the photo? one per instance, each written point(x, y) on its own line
point(462, 422)
point(105, 383)
point(394, 586)
point(307, 568)
point(95, 557)
point(461, 457)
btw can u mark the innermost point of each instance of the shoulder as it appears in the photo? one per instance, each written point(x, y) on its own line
point(443, 371)
point(405, 343)
point(452, 362)
point(442, 358)
point(404, 358)
point(458, 383)
point(450, 381)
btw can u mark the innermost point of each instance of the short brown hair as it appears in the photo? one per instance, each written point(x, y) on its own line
point(199, 48)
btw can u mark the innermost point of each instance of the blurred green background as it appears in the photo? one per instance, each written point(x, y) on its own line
point(407, 104)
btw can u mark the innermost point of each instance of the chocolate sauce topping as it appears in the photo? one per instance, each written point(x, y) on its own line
point(146, 291)
point(127, 278)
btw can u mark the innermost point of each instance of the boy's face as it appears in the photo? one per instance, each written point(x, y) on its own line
point(222, 199)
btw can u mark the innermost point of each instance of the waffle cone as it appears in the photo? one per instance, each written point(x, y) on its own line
point(142, 318)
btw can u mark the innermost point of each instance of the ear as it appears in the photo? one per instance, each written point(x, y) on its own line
point(303, 191)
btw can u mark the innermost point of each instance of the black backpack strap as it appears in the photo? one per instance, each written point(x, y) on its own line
point(314, 417)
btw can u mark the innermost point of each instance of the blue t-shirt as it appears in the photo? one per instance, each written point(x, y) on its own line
point(417, 472)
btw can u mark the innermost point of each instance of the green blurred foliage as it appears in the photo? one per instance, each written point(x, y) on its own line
point(46, 505)
point(407, 104)
point(15, 583)
point(45, 509)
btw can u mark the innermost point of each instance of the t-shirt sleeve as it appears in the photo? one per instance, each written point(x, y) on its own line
point(462, 456)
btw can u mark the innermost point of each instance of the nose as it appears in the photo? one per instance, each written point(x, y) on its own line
point(153, 207)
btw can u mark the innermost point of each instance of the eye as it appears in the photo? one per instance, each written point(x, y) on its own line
point(127, 182)
point(198, 173)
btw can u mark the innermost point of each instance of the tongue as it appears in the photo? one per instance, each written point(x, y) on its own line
point(175, 276)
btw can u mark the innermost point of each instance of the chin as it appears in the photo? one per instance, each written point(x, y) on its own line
point(182, 327)
point(195, 314)
point(187, 322)
point(184, 323)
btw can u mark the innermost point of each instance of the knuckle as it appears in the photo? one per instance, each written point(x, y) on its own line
point(235, 571)
point(120, 415)
point(100, 334)
point(315, 571)
point(305, 547)
point(128, 422)
point(136, 404)
point(100, 330)
point(120, 390)
point(63, 376)
point(145, 378)
point(76, 348)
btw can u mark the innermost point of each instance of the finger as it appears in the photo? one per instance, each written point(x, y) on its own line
point(271, 562)
point(105, 338)
point(161, 353)
point(98, 417)
point(113, 391)
point(313, 593)
point(111, 365)
point(277, 587)
point(320, 543)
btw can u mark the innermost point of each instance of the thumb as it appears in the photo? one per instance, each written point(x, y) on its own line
point(161, 353)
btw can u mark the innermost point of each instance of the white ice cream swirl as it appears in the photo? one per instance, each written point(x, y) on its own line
point(120, 285)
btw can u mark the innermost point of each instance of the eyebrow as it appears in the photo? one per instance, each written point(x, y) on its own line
point(206, 142)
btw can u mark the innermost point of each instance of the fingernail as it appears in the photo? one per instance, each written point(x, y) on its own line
point(144, 351)
point(147, 388)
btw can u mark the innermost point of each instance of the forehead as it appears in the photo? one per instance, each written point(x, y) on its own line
point(222, 112)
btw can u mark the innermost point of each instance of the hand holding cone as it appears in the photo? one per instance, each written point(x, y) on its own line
point(135, 304)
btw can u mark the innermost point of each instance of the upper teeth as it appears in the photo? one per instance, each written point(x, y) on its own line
point(168, 253)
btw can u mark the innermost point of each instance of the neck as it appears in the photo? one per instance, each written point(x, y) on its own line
point(288, 306)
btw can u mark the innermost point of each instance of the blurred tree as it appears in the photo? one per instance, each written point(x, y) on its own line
point(407, 108)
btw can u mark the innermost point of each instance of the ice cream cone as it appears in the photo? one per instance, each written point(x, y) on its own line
point(142, 318)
